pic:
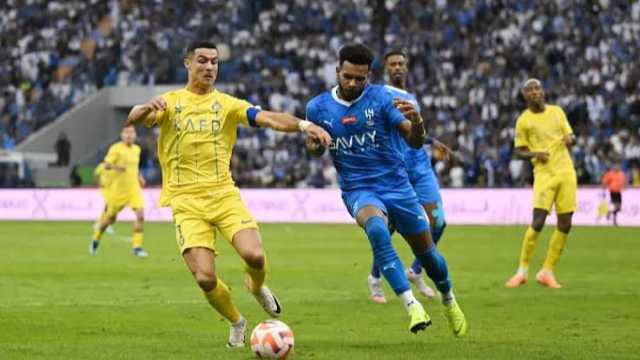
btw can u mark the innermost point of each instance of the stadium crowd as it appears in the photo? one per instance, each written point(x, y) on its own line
point(468, 60)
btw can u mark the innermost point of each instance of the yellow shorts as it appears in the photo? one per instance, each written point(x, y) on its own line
point(197, 217)
point(116, 204)
point(558, 189)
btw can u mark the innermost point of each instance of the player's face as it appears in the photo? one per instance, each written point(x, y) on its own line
point(352, 79)
point(202, 65)
point(534, 93)
point(396, 68)
point(128, 135)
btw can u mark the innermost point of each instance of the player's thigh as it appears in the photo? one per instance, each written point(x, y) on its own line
point(192, 228)
point(544, 192)
point(248, 245)
point(230, 215)
point(363, 204)
point(425, 184)
point(407, 213)
point(566, 201)
point(136, 201)
point(114, 206)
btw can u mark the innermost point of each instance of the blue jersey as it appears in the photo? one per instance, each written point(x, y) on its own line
point(366, 146)
point(412, 157)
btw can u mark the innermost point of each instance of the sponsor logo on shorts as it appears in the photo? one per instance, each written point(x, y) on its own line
point(244, 222)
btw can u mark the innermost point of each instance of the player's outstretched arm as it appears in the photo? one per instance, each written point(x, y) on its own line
point(413, 128)
point(141, 112)
point(288, 123)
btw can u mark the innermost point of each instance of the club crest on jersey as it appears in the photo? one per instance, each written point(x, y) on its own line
point(368, 113)
point(216, 107)
point(349, 120)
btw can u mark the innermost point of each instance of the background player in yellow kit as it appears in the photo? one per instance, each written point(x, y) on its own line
point(103, 179)
point(124, 189)
point(544, 136)
point(198, 126)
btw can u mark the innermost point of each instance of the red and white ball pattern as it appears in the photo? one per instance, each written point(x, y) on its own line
point(272, 339)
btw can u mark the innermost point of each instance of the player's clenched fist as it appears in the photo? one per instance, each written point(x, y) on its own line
point(319, 134)
point(156, 104)
point(407, 109)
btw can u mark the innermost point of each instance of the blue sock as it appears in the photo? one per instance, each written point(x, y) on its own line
point(437, 231)
point(375, 271)
point(385, 256)
point(436, 267)
point(437, 228)
point(416, 266)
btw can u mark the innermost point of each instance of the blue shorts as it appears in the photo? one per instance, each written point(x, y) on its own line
point(424, 182)
point(402, 206)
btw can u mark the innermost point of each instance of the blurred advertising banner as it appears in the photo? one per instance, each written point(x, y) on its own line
point(462, 206)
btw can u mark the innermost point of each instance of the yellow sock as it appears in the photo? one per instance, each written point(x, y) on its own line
point(528, 246)
point(138, 239)
point(556, 245)
point(97, 234)
point(220, 299)
point(257, 276)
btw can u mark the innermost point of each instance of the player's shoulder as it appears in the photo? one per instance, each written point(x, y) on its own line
point(116, 146)
point(319, 99)
point(137, 148)
point(555, 108)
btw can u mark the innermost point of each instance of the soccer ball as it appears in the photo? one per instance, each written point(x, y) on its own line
point(272, 339)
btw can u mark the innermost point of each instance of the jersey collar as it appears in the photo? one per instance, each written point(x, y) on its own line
point(396, 89)
point(334, 94)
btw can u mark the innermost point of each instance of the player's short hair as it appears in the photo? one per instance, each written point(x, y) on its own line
point(199, 44)
point(356, 53)
point(529, 81)
point(395, 52)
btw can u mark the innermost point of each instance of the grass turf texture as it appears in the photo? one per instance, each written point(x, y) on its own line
point(57, 302)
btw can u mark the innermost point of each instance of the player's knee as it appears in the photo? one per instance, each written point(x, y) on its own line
point(206, 281)
point(255, 258)
point(564, 226)
point(140, 217)
point(375, 227)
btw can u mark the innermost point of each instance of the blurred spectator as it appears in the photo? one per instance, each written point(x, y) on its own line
point(63, 149)
point(468, 60)
point(74, 178)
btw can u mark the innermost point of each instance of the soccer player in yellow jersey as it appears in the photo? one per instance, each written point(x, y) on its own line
point(544, 136)
point(198, 126)
point(103, 180)
point(124, 189)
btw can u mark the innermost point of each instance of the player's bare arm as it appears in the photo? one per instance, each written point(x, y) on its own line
point(569, 140)
point(288, 123)
point(413, 128)
point(524, 153)
point(141, 112)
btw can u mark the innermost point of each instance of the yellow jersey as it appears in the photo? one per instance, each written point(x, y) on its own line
point(197, 135)
point(126, 182)
point(103, 175)
point(545, 131)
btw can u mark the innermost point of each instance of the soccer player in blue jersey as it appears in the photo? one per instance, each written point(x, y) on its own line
point(421, 176)
point(367, 130)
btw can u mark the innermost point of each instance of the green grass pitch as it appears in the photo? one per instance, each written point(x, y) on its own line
point(57, 302)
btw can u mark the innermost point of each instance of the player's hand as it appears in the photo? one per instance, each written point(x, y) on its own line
point(156, 104)
point(321, 135)
point(568, 140)
point(408, 110)
point(119, 168)
point(541, 156)
point(142, 181)
point(443, 150)
point(313, 146)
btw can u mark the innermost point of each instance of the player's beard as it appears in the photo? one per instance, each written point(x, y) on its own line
point(350, 95)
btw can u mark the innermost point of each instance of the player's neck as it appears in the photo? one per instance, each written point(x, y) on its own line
point(199, 88)
point(535, 108)
point(402, 84)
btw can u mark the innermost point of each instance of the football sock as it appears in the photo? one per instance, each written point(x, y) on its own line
point(436, 267)
point(138, 239)
point(556, 245)
point(220, 299)
point(528, 246)
point(257, 276)
point(385, 256)
point(448, 297)
point(437, 228)
point(97, 234)
point(416, 266)
point(407, 299)
point(375, 271)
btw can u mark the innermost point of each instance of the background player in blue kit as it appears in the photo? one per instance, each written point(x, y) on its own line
point(367, 130)
point(421, 176)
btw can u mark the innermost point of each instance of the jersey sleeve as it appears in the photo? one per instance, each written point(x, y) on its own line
point(391, 113)
point(158, 117)
point(112, 155)
point(521, 134)
point(238, 112)
point(311, 113)
point(566, 127)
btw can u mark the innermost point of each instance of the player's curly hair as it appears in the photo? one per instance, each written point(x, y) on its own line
point(395, 52)
point(356, 53)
